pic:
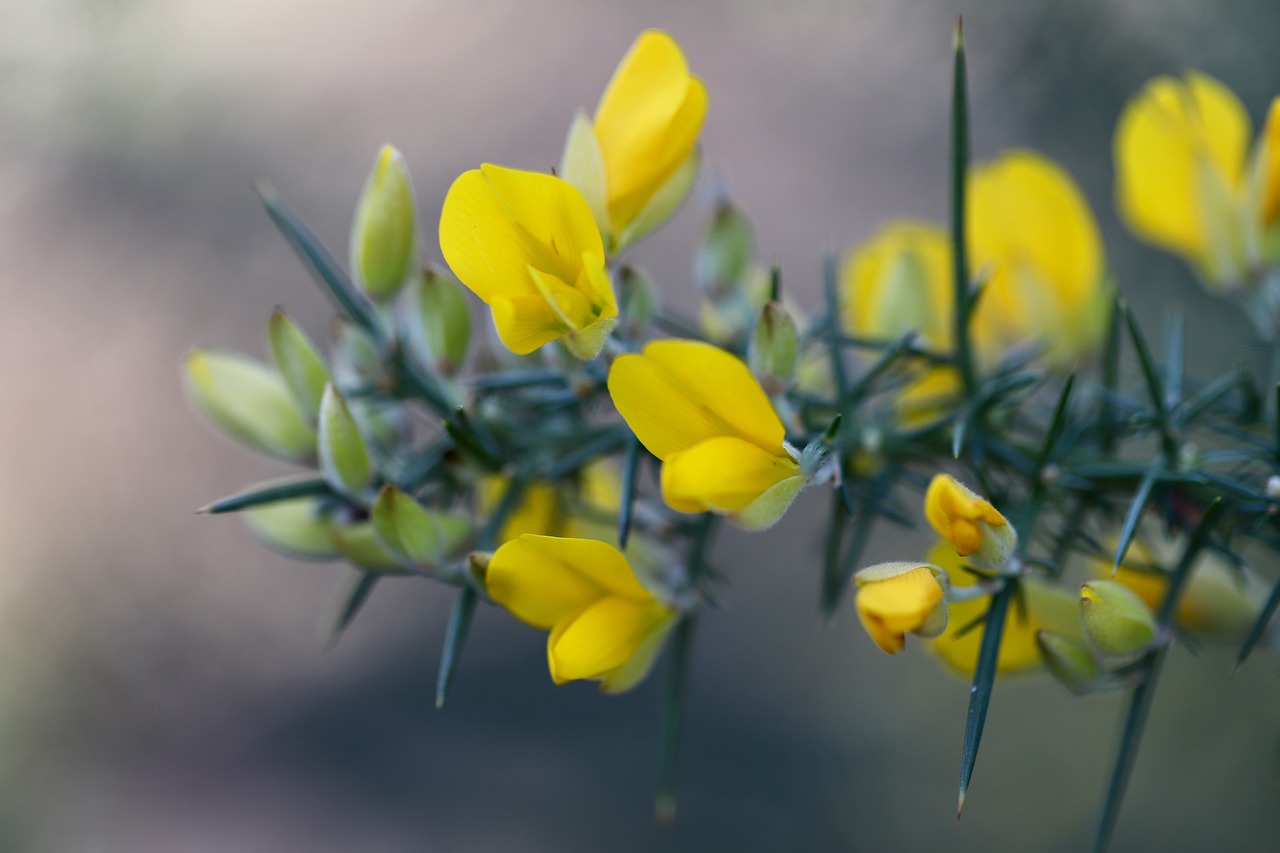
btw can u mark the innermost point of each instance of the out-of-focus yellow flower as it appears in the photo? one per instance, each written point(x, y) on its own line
point(968, 522)
point(1218, 602)
point(895, 599)
point(637, 161)
point(526, 244)
point(604, 624)
point(546, 509)
point(699, 410)
point(1049, 608)
point(1184, 181)
point(1032, 232)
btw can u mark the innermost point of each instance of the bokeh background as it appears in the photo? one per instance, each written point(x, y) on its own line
point(164, 684)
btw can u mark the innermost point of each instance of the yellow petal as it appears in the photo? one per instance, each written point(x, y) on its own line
point(647, 122)
point(1169, 134)
point(664, 202)
point(722, 474)
point(957, 513)
point(544, 579)
point(636, 667)
point(1033, 231)
point(526, 322)
point(602, 637)
point(681, 393)
point(497, 222)
point(890, 608)
point(898, 280)
point(1270, 152)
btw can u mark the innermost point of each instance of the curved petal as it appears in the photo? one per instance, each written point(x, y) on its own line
point(1269, 152)
point(1167, 134)
point(526, 322)
point(722, 474)
point(647, 122)
point(663, 203)
point(636, 667)
point(898, 280)
point(602, 637)
point(681, 393)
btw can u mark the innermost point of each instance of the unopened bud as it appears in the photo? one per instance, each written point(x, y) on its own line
point(895, 599)
point(725, 253)
point(344, 456)
point(438, 320)
point(772, 350)
point(299, 364)
point(638, 300)
point(295, 527)
point(1115, 619)
point(1070, 660)
point(384, 234)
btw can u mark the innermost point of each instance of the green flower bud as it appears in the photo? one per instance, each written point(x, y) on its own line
point(300, 365)
point(359, 543)
point(424, 536)
point(772, 350)
point(344, 456)
point(724, 256)
point(356, 360)
point(1115, 619)
point(438, 321)
point(1070, 660)
point(295, 527)
point(249, 402)
point(384, 234)
point(638, 300)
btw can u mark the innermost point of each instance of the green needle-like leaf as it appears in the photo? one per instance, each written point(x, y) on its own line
point(321, 264)
point(1155, 386)
point(832, 295)
point(664, 806)
point(630, 480)
point(984, 677)
point(268, 493)
point(455, 637)
point(837, 582)
point(959, 240)
point(355, 594)
point(888, 358)
point(1260, 626)
point(1140, 497)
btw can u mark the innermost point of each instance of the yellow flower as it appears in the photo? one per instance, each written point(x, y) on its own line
point(1031, 231)
point(1184, 182)
point(968, 522)
point(699, 410)
point(527, 245)
point(636, 163)
point(546, 510)
point(1219, 601)
point(1034, 240)
point(1049, 607)
point(895, 599)
point(604, 624)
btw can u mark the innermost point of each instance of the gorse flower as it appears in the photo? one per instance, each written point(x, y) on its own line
point(1034, 241)
point(527, 245)
point(970, 523)
point(699, 410)
point(896, 599)
point(1049, 607)
point(604, 624)
point(1184, 180)
point(637, 161)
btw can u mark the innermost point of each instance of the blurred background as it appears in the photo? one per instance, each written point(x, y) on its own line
point(164, 682)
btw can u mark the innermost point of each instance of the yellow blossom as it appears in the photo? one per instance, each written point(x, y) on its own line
point(895, 599)
point(1049, 607)
point(968, 522)
point(637, 161)
point(527, 245)
point(1184, 180)
point(605, 625)
point(1219, 601)
point(699, 410)
point(1033, 238)
point(546, 510)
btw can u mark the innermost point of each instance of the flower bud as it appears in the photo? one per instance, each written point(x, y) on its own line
point(249, 402)
point(427, 537)
point(384, 234)
point(295, 527)
point(969, 522)
point(771, 353)
point(299, 364)
point(638, 299)
point(438, 321)
point(359, 544)
point(724, 256)
point(1070, 660)
point(1115, 618)
point(344, 456)
point(899, 598)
